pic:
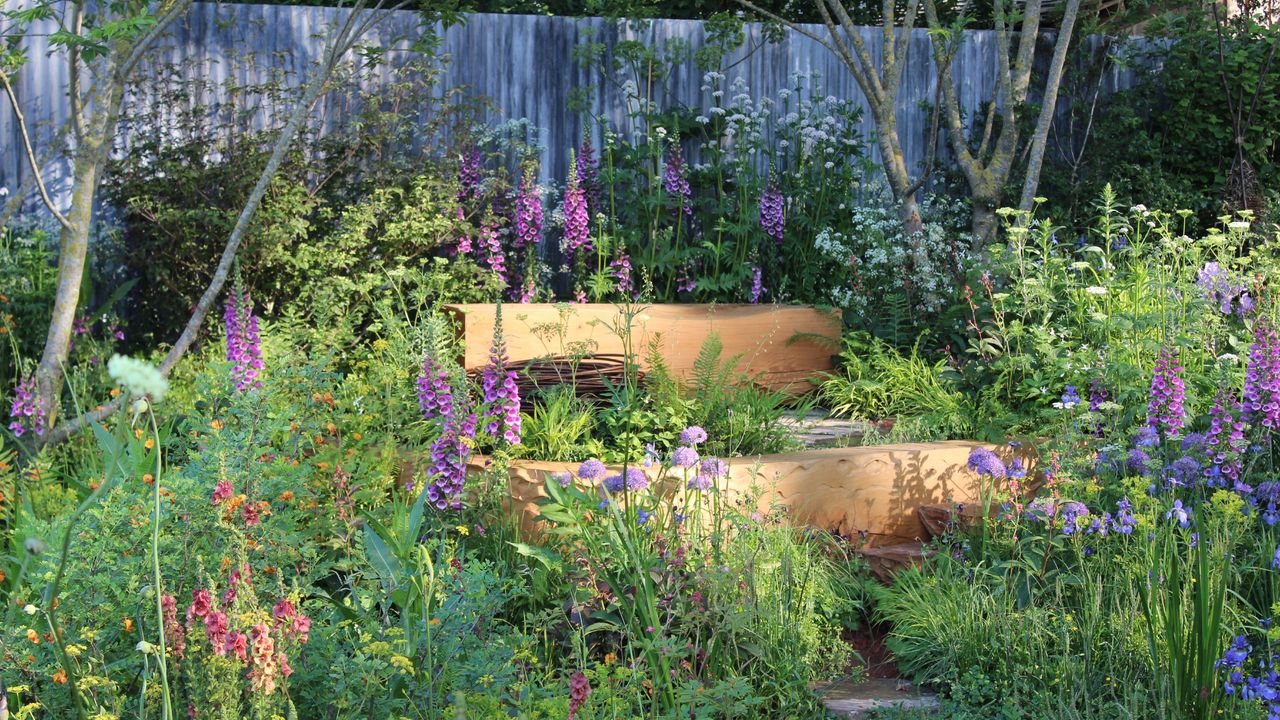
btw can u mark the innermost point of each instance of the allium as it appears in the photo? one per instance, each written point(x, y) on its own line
point(588, 171)
point(1225, 442)
point(635, 481)
point(528, 211)
point(435, 395)
point(622, 273)
point(243, 348)
point(673, 178)
point(684, 457)
point(1138, 460)
point(592, 470)
point(1164, 409)
point(693, 435)
point(137, 377)
point(1183, 472)
point(27, 409)
point(757, 287)
point(577, 224)
point(579, 690)
point(771, 212)
point(1261, 399)
point(985, 462)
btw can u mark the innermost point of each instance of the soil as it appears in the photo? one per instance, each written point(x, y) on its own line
point(869, 642)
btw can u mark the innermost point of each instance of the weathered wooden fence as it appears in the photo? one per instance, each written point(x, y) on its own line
point(524, 64)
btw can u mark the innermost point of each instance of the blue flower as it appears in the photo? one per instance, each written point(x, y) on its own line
point(684, 457)
point(693, 435)
point(1179, 514)
point(985, 462)
point(1070, 398)
point(642, 517)
point(592, 470)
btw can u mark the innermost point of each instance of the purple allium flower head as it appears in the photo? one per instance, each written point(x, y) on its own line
point(985, 462)
point(673, 178)
point(592, 470)
point(772, 211)
point(243, 349)
point(435, 395)
point(1184, 471)
point(577, 223)
point(563, 479)
point(1225, 442)
point(27, 410)
point(633, 480)
point(622, 273)
point(589, 175)
point(1261, 401)
point(757, 287)
point(684, 457)
point(693, 435)
point(1138, 461)
point(1164, 408)
point(528, 210)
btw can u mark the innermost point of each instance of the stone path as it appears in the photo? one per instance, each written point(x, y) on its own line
point(858, 699)
point(816, 429)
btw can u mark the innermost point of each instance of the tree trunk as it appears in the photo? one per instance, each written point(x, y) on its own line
point(895, 171)
point(1040, 137)
point(983, 222)
point(73, 250)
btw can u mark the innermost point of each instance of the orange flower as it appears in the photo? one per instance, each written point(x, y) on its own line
point(137, 433)
point(216, 424)
point(148, 478)
point(286, 496)
point(2, 576)
point(322, 465)
point(60, 677)
point(331, 428)
point(357, 436)
point(128, 625)
point(150, 443)
point(115, 392)
point(33, 637)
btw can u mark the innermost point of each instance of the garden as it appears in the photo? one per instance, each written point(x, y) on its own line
point(941, 382)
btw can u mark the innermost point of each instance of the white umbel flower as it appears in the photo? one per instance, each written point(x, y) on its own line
point(139, 378)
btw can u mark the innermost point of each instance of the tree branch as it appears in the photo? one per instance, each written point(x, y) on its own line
point(31, 153)
point(350, 31)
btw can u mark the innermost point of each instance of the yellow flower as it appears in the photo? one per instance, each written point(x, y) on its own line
point(462, 530)
point(402, 663)
point(433, 621)
point(150, 443)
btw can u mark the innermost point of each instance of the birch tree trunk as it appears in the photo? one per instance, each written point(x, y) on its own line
point(1052, 83)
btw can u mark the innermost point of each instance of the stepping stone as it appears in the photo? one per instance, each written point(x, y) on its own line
point(887, 560)
point(858, 699)
point(816, 429)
